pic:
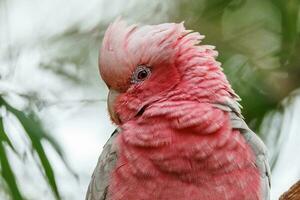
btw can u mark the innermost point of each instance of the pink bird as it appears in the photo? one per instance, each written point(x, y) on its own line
point(181, 134)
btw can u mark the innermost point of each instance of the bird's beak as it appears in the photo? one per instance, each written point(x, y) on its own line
point(112, 95)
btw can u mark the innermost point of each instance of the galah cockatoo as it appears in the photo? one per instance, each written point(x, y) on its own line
point(181, 135)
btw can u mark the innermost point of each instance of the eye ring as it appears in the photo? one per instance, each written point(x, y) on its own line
point(141, 73)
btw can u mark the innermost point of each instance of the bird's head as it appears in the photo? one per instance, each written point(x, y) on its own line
point(142, 64)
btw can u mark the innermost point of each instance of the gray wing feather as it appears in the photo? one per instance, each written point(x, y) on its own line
point(254, 141)
point(98, 186)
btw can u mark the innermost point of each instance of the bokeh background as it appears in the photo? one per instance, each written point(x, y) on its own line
point(53, 118)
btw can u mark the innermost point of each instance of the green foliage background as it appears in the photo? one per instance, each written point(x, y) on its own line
point(258, 42)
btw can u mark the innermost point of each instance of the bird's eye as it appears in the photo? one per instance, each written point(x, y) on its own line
point(141, 73)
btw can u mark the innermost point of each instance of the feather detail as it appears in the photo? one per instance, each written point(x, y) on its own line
point(188, 145)
point(181, 127)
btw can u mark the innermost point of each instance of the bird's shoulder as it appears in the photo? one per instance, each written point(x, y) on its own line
point(256, 144)
point(97, 189)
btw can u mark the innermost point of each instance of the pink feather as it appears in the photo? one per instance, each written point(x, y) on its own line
point(181, 147)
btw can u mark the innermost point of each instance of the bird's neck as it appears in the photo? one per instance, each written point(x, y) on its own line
point(203, 78)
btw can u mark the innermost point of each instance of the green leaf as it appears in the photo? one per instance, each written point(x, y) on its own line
point(6, 170)
point(36, 133)
point(5, 138)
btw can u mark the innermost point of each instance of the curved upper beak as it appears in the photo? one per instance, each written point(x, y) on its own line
point(112, 95)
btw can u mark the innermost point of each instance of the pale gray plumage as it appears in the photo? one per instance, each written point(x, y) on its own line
point(254, 141)
point(98, 186)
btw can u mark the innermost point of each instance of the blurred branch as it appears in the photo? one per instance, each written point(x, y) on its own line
point(40, 103)
point(293, 193)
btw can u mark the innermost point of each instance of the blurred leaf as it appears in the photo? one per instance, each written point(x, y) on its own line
point(6, 170)
point(5, 138)
point(250, 87)
point(58, 69)
point(71, 53)
point(289, 31)
point(35, 133)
